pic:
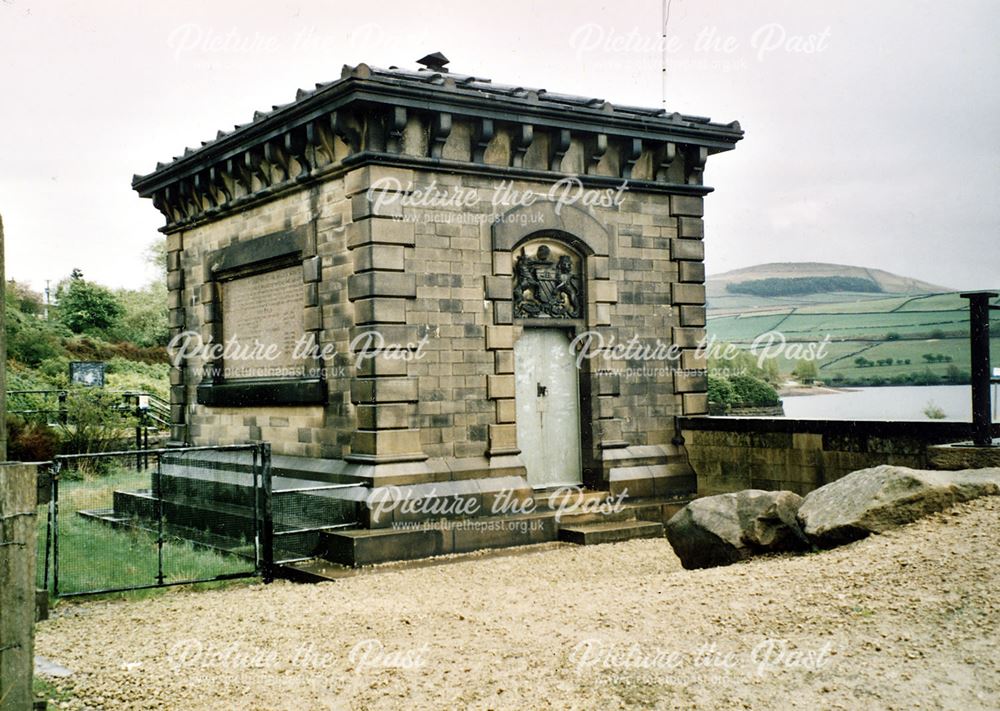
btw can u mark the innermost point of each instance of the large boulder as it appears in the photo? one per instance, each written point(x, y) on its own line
point(874, 500)
point(724, 529)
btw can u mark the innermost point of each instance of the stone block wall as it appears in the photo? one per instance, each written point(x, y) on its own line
point(730, 453)
point(319, 213)
point(442, 276)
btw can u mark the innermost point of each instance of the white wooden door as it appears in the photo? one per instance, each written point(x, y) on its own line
point(548, 407)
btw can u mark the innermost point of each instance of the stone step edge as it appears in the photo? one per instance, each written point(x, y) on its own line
point(628, 530)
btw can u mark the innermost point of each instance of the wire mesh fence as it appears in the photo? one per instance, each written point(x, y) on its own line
point(301, 511)
point(135, 519)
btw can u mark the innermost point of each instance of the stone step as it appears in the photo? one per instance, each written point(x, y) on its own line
point(314, 570)
point(369, 546)
point(553, 499)
point(627, 513)
point(610, 532)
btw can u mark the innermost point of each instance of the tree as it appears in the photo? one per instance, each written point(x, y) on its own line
point(144, 316)
point(23, 298)
point(85, 307)
point(806, 371)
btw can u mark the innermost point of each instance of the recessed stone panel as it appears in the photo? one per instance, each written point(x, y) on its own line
point(264, 313)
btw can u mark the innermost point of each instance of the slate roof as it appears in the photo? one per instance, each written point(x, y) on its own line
point(445, 90)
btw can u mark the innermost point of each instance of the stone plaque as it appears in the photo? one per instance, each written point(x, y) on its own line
point(262, 322)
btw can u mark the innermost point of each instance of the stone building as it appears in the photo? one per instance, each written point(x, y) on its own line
point(420, 249)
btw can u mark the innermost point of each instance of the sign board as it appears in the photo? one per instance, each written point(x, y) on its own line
point(89, 373)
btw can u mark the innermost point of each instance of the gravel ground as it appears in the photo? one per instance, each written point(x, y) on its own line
point(905, 620)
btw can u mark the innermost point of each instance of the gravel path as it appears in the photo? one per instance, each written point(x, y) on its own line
point(906, 620)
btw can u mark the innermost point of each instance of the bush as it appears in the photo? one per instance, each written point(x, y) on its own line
point(93, 422)
point(124, 374)
point(720, 391)
point(753, 392)
point(31, 340)
point(934, 411)
point(30, 441)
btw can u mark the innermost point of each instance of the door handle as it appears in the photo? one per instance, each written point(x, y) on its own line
point(542, 390)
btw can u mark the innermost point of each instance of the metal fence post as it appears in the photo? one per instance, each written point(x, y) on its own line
point(979, 341)
point(63, 411)
point(267, 528)
point(255, 495)
point(50, 471)
point(55, 527)
point(158, 493)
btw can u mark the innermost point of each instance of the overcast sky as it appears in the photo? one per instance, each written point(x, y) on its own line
point(871, 127)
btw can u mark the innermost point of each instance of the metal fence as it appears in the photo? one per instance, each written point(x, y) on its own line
point(301, 511)
point(111, 526)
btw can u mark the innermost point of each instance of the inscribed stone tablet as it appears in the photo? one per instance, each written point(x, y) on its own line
point(264, 313)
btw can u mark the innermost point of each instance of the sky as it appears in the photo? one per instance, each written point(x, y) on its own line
point(871, 127)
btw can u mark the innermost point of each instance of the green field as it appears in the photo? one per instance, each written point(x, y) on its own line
point(900, 328)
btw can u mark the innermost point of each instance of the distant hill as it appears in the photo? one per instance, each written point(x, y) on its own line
point(878, 328)
point(756, 288)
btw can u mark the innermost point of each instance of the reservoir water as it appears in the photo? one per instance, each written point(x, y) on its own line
point(905, 402)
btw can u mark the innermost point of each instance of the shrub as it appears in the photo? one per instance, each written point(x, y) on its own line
point(93, 422)
point(30, 340)
point(720, 391)
point(753, 392)
point(30, 441)
point(934, 411)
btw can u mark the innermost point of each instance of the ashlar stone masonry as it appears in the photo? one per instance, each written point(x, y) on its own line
point(435, 249)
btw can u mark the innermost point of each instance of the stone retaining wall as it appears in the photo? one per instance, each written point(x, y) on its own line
point(733, 453)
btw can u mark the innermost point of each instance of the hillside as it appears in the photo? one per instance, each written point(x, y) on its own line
point(878, 284)
point(907, 333)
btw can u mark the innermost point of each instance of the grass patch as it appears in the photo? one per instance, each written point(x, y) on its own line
point(46, 690)
point(93, 555)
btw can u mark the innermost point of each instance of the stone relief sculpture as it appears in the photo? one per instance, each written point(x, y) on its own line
point(546, 285)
